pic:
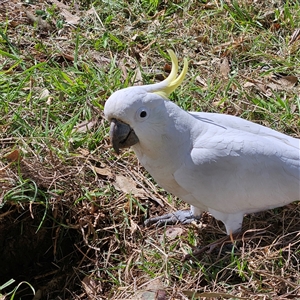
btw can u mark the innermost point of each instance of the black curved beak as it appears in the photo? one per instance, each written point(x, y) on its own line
point(121, 135)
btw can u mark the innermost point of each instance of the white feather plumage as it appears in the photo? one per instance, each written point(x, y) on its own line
point(217, 163)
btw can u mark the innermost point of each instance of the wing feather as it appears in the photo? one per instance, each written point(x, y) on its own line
point(238, 166)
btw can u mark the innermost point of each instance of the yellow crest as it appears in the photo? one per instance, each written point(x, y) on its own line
point(166, 87)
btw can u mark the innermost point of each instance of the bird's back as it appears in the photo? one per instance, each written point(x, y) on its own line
point(236, 165)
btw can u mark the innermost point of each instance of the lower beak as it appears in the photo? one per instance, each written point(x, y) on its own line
point(121, 135)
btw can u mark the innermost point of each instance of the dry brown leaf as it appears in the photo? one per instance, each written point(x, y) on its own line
point(287, 81)
point(138, 79)
point(135, 37)
point(49, 100)
point(60, 4)
point(219, 104)
point(64, 10)
point(42, 24)
point(204, 39)
point(282, 82)
point(84, 152)
point(201, 81)
point(167, 68)
point(90, 286)
point(69, 18)
point(261, 86)
point(63, 57)
point(295, 36)
point(128, 186)
point(14, 156)
point(44, 94)
point(154, 290)
point(249, 84)
point(133, 227)
point(238, 43)
point(258, 84)
point(103, 171)
point(122, 65)
point(172, 232)
point(265, 89)
point(85, 126)
point(224, 67)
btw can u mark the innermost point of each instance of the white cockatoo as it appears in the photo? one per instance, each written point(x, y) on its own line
point(218, 163)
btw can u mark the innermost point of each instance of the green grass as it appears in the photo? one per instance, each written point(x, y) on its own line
point(52, 83)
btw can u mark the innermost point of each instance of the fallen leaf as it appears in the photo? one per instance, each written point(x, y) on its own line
point(42, 24)
point(14, 156)
point(219, 103)
point(238, 43)
point(248, 84)
point(128, 186)
point(103, 171)
point(154, 290)
point(204, 39)
point(63, 57)
point(122, 66)
point(135, 37)
point(280, 82)
point(258, 84)
point(224, 67)
point(138, 79)
point(85, 126)
point(69, 17)
point(84, 152)
point(287, 81)
point(133, 227)
point(275, 27)
point(49, 100)
point(167, 68)
point(295, 36)
point(60, 4)
point(201, 81)
point(148, 295)
point(91, 287)
point(172, 233)
point(44, 94)
point(161, 295)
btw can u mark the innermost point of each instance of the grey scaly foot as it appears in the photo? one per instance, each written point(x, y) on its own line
point(180, 216)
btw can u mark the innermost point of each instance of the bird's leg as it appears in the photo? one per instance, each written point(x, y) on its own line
point(180, 216)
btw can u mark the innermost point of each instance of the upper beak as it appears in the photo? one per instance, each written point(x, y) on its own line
point(121, 135)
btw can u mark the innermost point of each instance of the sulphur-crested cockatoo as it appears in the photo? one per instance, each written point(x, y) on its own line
point(215, 162)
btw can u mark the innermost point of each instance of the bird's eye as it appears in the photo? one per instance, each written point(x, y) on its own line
point(142, 114)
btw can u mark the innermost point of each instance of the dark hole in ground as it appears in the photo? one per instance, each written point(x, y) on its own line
point(43, 257)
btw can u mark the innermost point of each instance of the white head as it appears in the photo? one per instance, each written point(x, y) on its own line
point(132, 111)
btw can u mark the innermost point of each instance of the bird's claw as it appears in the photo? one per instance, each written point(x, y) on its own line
point(180, 216)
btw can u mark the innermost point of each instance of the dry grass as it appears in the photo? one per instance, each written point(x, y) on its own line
point(65, 210)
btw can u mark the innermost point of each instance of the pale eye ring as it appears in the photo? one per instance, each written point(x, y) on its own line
point(142, 114)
